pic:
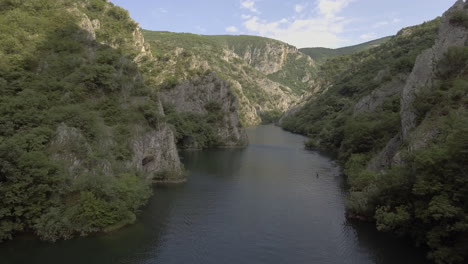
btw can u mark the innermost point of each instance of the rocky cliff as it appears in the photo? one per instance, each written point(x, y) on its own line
point(397, 117)
point(268, 58)
point(208, 95)
point(83, 133)
point(266, 76)
point(423, 78)
point(424, 74)
point(281, 62)
point(154, 151)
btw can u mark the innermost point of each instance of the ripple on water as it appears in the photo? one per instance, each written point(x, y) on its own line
point(263, 204)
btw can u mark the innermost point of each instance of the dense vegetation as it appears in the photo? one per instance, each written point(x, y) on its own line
point(181, 56)
point(320, 55)
point(291, 75)
point(62, 95)
point(194, 130)
point(426, 197)
point(328, 118)
point(70, 102)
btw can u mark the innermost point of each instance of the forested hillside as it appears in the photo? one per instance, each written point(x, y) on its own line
point(320, 55)
point(91, 115)
point(266, 75)
point(396, 116)
point(82, 135)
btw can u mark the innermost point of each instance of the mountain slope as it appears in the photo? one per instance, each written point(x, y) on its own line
point(397, 116)
point(320, 55)
point(82, 132)
point(267, 76)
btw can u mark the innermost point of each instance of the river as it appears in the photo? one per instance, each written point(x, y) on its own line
point(273, 202)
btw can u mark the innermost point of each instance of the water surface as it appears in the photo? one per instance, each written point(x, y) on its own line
point(273, 202)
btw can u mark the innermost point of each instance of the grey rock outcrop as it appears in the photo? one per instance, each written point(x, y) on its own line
point(386, 158)
point(266, 75)
point(193, 96)
point(371, 102)
point(70, 147)
point(424, 72)
point(153, 149)
point(271, 58)
point(423, 77)
point(155, 155)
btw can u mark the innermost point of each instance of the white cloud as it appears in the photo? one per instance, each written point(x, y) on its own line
point(368, 36)
point(396, 20)
point(299, 8)
point(249, 5)
point(232, 29)
point(245, 16)
point(321, 30)
point(162, 10)
point(330, 8)
point(312, 32)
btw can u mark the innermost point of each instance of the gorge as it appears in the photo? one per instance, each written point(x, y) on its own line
point(95, 110)
point(237, 207)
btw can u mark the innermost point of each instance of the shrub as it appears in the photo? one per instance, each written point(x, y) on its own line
point(213, 106)
point(96, 5)
point(150, 111)
point(311, 144)
point(454, 62)
point(459, 18)
point(118, 13)
point(169, 83)
point(270, 116)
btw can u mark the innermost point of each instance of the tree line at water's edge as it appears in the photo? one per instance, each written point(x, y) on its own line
point(426, 195)
point(63, 94)
point(71, 100)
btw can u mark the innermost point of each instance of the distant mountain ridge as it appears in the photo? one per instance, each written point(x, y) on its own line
point(267, 76)
point(91, 114)
point(320, 55)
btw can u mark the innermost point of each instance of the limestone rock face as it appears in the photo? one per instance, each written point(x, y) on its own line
point(424, 72)
point(155, 155)
point(194, 95)
point(67, 146)
point(274, 58)
point(153, 149)
point(140, 45)
point(265, 75)
point(378, 96)
point(271, 58)
point(423, 77)
point(387, 157)
point(84, 23)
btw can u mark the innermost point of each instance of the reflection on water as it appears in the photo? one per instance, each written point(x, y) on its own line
point(273, 202)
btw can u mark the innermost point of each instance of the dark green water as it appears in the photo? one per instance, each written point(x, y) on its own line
point(263, 204)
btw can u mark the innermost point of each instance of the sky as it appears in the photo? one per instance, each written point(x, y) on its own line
point(302, 23)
